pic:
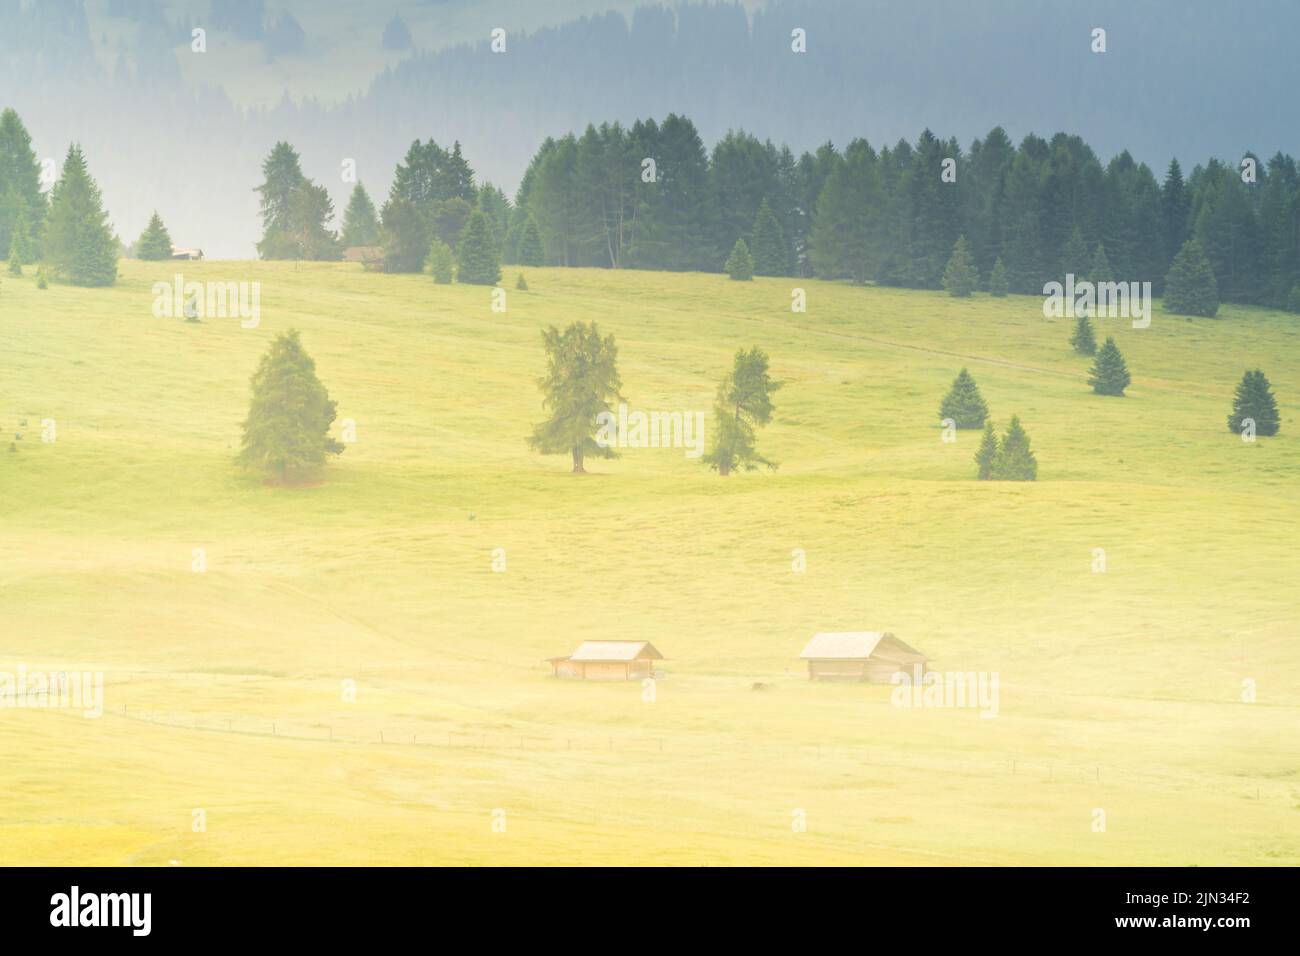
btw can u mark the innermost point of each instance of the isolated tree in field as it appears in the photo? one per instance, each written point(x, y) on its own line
point(286, 433)
point(1014, 461)
point(155, 243)
point(771, 256)
point(580, 382)
point(744, 403)
point(988, 451)
point(1190, 286)
point(740, 264)
point(998, 286)
point(964, 404)
point(79, 246)
point(1083, 341)
point(1254, 400)
point(439, 263)
point(960, 277)
point(531, 251)
point(1109, 375)
point(479, 262)
point(360, 221)
point(15, 266)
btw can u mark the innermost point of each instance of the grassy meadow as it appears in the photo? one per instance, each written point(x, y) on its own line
point(1119, 691)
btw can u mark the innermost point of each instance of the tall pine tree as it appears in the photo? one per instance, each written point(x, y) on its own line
point(1254, 400)
point(1190, 286)
point(286, 433)
point(1109, 375)
point(79, 245)
point(360, 222)
point(580, 383)
point(155, 243)
point(771, 256)
point(964, 404)
point(479, 263)
point(960, 277)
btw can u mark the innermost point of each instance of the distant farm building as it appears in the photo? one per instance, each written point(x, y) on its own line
point(608, 660)
point(191, 254)
point(860, 655)
point(370, 257)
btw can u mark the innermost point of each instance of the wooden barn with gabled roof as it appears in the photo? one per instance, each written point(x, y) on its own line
point(860, 655)
point(608, 660)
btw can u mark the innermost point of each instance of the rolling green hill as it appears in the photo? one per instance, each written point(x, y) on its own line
point(1119, 691)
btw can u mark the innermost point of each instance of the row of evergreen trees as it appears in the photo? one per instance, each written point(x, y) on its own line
point(893, 215)
point(66, 231)
point(651, 196)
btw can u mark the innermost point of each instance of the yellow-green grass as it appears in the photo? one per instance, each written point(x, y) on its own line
point(1120, 691)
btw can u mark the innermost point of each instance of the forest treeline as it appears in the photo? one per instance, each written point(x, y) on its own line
point(652, 196)
point(893, 214)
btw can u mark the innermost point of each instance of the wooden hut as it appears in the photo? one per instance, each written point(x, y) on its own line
point(608, 660)
point(860, 655)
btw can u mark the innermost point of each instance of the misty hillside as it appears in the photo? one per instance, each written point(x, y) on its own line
point(121, 77)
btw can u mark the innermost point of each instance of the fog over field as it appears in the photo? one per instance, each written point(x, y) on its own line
point(592, 433)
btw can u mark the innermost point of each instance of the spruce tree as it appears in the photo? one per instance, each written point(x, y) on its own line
point(771, 256)
point(15, 266)
point(439, 262)
point(960, 277)
point(155, 244)
point(360, 222)
point(1014, 460)
point(286, 433)
point(23, 204)
point(1074, 257)
point(20, 240)
point(1099, 269)
point(479, 263)
point(740, 264)
point(1109, 375)
point(1254, 400)
point(78, 245)
point(521, 283)
point(580, 383)
point(1190, 286)
point(1083, 341)
point(744, 402)
point(963, 403)
point(530, 251)
point(987, 453)
point(998, 280)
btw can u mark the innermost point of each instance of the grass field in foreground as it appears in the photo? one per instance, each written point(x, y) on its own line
point(1119, 691)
